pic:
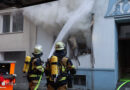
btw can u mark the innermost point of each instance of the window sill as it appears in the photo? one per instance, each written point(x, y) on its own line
point(10, 33)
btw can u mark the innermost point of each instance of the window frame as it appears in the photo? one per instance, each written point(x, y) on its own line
point(19, 31)
point(11, 23)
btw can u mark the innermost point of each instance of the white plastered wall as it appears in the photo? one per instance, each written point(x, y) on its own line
point(23, 41)
point(103, 37)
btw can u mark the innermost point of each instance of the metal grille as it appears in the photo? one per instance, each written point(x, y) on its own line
point(80, 80)
point(6, 23)
point(18, 22)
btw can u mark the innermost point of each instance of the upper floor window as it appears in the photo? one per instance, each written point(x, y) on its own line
point(6, 23)
point(18, 22)
point(13, 22)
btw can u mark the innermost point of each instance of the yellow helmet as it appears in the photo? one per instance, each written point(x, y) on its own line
point(38, 49)
point(59, 46)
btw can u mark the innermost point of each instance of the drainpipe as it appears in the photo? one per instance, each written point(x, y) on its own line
point(92, 55)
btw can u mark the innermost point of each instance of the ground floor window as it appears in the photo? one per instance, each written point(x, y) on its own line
point(80, 80)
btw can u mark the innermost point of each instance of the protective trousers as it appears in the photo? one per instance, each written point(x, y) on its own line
point(64, 87)
point(33, 84)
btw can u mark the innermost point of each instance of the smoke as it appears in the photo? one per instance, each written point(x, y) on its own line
point(52, 16)
point(63, 18)
point(67, 9)
point(44, 15)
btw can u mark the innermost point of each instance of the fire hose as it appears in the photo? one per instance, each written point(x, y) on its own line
point(123, 84)
point(38, 82)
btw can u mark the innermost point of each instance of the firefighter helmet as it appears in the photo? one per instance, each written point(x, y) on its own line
point(59, 46)
point(38, 49)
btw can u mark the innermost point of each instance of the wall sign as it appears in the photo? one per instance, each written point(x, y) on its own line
point(118, 8)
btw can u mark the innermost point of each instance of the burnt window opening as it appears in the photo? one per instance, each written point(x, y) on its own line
point(78, 45)
point(82, 44)
point(83, 49)
point(80, 80)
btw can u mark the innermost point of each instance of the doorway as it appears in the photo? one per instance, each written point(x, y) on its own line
point(123, 51)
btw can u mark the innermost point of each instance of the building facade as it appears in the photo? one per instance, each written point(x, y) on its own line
point(98, 70)
point(102, 69)
point(17, 38)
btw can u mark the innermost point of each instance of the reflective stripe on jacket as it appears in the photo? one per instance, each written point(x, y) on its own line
point(36, 68)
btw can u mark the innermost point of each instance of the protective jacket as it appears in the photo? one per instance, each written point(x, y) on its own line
point(65, 65)
point(35, 68)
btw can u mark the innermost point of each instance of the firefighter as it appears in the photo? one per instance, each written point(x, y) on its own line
point(57, 68)
point(35, 68)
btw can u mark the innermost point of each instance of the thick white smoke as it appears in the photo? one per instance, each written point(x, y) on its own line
point(67, 9)
point(52, 16)
point(67, 16)
point(44, 15)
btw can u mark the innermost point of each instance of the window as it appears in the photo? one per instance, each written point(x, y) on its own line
point(18, 22)
point(6, 23)
point(80, 80)
point(13, 22)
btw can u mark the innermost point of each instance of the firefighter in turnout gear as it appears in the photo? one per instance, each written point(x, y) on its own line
point(57, 68)
point(36, 70)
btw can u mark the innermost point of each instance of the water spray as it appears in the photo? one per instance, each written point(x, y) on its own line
point(84, 10)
